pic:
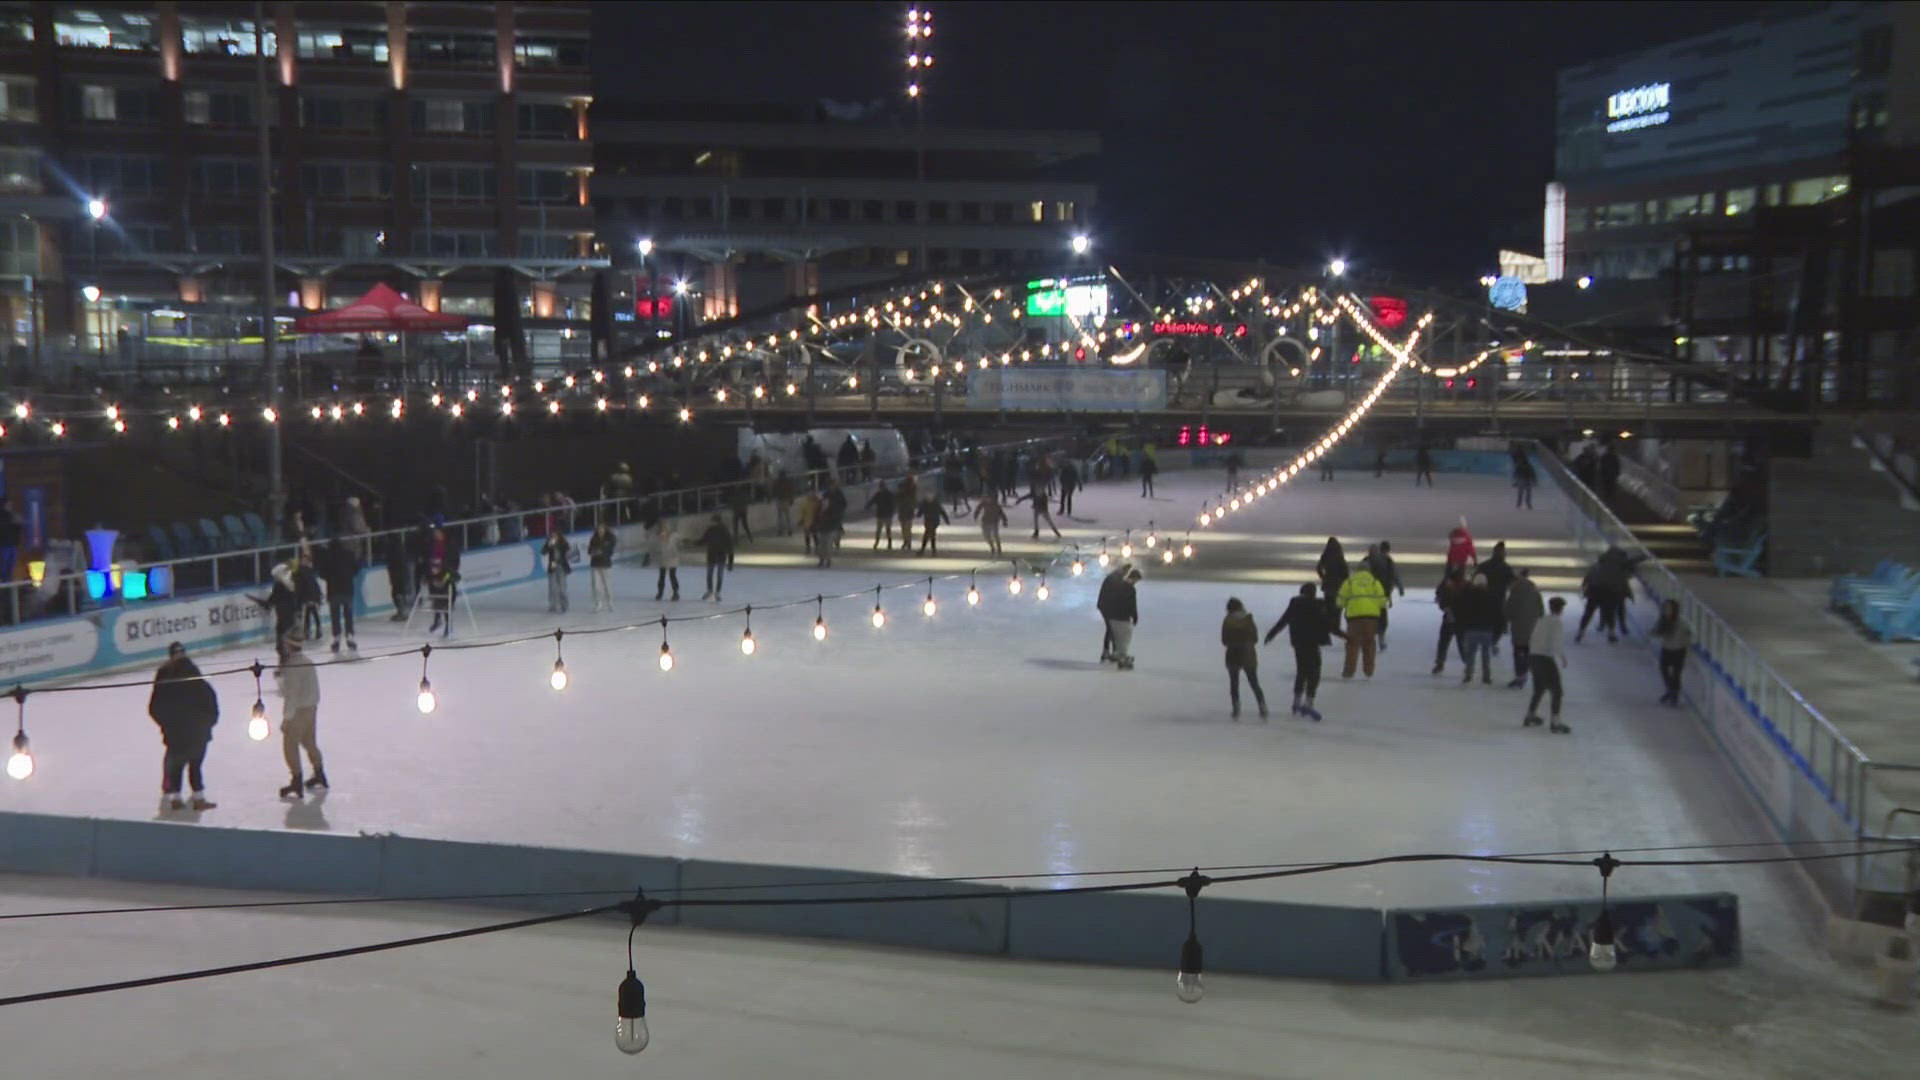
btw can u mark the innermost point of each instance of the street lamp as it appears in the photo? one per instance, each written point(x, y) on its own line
point(645, 246)
point(1081, 244)
point(1338, 267)
point(679, 286)
point(91, 293)
point(96, 208)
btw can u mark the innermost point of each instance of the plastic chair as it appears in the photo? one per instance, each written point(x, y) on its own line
point(1739, 560)
point(161, 543)
point(211, 535)
point(259, 537)
point(184, 540)
point(238, 537)
point(1884, 573)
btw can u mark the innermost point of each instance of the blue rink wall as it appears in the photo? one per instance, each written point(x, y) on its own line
point(1142, 930)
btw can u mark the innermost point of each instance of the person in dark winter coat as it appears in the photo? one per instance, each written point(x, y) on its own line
point(1333, 572)
point(1446, 597)
point(283, 599)
point(738, 498)
point(1609, 474)
point(1476, 615)
point(306, 583)
point(718, 543)
point(600, 547)
point(341, 569)
point(881, 502)
point(1423, 466)
point(1119, 604)
point(1499, 575)
point(1608, 587)
point(1309, 629)
point(1241, 636)
point(832, 523)
point(1069, 483)
point(1037, 495)
point(849, 461)
point(186, 709)
point(1524, 477)
point(1149, 468)
point(1523, 610)
point(558, 551)
point(932, 516)
point(906, 502)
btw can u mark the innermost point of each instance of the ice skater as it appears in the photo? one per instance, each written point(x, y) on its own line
point(991, 516)
point(1363, 599)
point(1069, 483)
point(1149, 468)
point(1460, 552)
point(558, 551)
point(906, 505)
point(1380, 561)
point(1446, 597)
point(1523, 480)
point(1476, 615)
point(600, 547)
point(341, 571)
point(1524, 610)
point(1308, 630)
point(932, 516)
point(666, 556)
point(882, 505)
point(1037, 495)
point(1548, 648)
point(186, 709)
point(718, 543)
point(1332, 570)
point(1241, 636)
point(1423, 466)
point(1675, 639)
point(299, 718)
point(1119, 604)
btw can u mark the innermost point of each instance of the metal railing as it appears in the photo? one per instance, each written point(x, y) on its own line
point(214, 571)
point(1839, 768)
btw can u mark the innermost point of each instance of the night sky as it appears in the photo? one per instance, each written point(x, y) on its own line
point(1408, 137)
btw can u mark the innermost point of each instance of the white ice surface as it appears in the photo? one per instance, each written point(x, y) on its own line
point(539, 1003)
point(986, 741)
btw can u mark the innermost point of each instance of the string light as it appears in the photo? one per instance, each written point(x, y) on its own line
point(1104, 557)
point(20, 764)
point(747, 644)
point(426, 702)
point(1013, 582)
point(819, 618)
point(1042, 592)
point(559, 678)
point(1188, 984)
point(1604, 953)
point(257, 726)
point(666, 654)
point(1078, 566)
point(1126, 545)
point(973, 590)
point(929, 607)
point(879, 615)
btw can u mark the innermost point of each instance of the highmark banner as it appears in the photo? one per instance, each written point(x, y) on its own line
point(1067, 389)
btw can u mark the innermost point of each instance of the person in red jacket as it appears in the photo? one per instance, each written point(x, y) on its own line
point(1460, 553)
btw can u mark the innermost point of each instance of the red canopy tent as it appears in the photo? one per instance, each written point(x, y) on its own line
point(380, 311)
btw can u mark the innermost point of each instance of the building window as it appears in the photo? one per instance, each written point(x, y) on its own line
point(19, 169)
point(112, 104)
point(540, 120)
point(347, 181)
point(970, 257)
point(16, 24)
point(1002, 215)
point(80, 26)
point(937, 211)
point(356, 243)
point(1577, 219)
point(839, 209)
point(19, 247)
point(532, 52)
point(546, 187)
point(1037, 210)
point(452, 116)
point(454, 183)
point(1063, 211)
point(672, 207)
point(139, 239)
point(218, 108)
point(1740, 201)
point(225, 240)
point(939, 257)
point(1616, 215)
point(366, 114)
point(903, 257)
point(903, 210)
point(449, 47)
point(1816, 190)
point(222, 37)
point(1681, 206)
point(702, 208)
point(1002, 257)
point(225, 177)
point(108, 176)
point(535, 244)
point(873, 210)
point(453, 243)
point(773, 209)
point(17, 100)
point(740, 209)
point(366, 44)
point(970, 212)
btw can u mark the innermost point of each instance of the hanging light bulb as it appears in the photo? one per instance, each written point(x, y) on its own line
point(1603, 954)
point(879, 616)
point(747, 644)
point(819, 618)
point(630, 1032)
point(1042, 592)
point(1104, 558)
point(426, 702)
point(257, 723)
point(666, 654)
point(20, 765)
point(1186, 551)
point(1013, 584)
point(1153, 540)
point(558, 679)
point(929, 607)
point(1166, 556)
point(1126, 550)
point(1078, 567)
point(1188, 985)
point(1205, 518)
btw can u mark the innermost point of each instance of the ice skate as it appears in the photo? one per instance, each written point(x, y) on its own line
point(336, 646)
point(1235, 714)
point(352, 645)
point(201, 802)
point(1126, 663)
point(708, 595)
point(1530, 721)
point(1516, 683)
point(170, 803)
point(1311, 713)
point(1263, 712)
point(1438, 668)
point(319, 781)
point(293, 792)
point(1559, 728)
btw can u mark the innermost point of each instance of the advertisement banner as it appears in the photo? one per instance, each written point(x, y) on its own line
point(222, 619)
point(1545, 938)
point(50, 646)
point(1067, 389)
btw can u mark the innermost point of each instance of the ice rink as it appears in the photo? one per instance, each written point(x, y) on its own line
point(984, 740)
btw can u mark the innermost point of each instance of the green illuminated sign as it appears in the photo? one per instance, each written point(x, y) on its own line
point(1047, 302)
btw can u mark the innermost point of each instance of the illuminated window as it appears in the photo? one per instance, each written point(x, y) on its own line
point(1063, 211)
point(550, 52)
point(1038, 210)
point(452, 116)
point(218, 108)
point(1740, 201)
point(448, 47)
point(17, 100)
point(364, 44)
point(80, 27)
point(1681, 206)
point(19, 169)
point(903, 257)
point(222, 37)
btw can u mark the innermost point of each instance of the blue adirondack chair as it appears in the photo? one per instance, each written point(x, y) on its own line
point(1858, 597)
point(1884, 573)
point(1889, 619)
point(1739, 559)
point(237, 535)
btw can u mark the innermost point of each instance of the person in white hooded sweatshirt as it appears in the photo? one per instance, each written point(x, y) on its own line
point(1547, 654)
point(299, 724)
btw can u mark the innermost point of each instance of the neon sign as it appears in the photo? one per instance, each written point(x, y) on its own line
point(1389, 311)
point(1641, 107)
point(1187, 437)
point(1200, 329)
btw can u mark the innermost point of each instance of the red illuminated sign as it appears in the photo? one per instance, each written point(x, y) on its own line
point(1200, 329)
point(1389, 311)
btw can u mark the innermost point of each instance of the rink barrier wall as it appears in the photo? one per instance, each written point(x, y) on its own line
point(1134, 930)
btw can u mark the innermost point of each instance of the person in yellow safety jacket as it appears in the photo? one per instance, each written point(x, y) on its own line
point(1364, 600)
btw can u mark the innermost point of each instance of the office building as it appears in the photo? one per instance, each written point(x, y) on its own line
point(440, 147)
point(750, 205)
